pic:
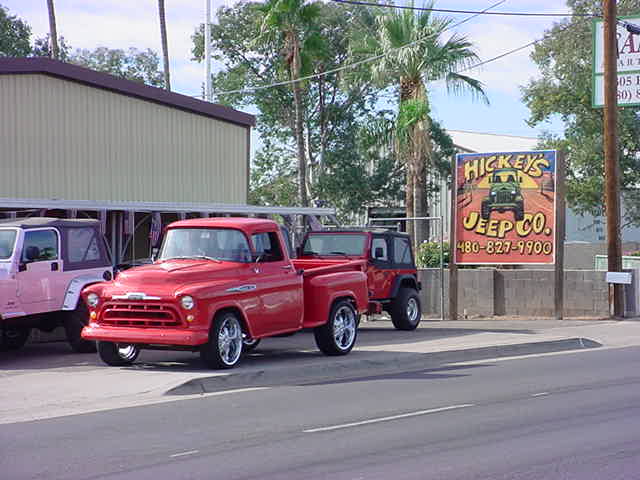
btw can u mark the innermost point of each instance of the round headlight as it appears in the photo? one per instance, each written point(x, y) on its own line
point(92, 300)
point(513, 192)
point(187, 302)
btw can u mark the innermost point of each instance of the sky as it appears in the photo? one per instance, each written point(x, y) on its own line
point(134, 23)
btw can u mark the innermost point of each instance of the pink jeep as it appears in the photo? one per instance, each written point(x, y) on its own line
point(44, 264)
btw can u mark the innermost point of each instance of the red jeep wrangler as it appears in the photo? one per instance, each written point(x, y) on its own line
point(392, 276)
point(219, 285)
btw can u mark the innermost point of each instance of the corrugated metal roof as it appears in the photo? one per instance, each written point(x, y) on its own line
point(55, 68)
point(164, 207)
point(473, 142)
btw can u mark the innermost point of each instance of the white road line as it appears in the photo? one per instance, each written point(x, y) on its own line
point(386, 419)
point(541, 394)
point(190, 452)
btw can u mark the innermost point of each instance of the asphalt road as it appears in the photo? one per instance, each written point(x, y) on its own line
point(568, 416)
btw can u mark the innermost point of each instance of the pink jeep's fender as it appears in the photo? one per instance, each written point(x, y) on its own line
point(332, 286)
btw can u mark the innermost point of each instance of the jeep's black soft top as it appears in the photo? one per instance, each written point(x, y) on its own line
point(377, 230)
point(39, 222)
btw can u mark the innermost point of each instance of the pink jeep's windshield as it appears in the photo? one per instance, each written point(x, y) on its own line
point(335, 244)
point(209, 243)
point(7, 241)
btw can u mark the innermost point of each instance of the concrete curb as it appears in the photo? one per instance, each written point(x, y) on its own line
point(359, 364)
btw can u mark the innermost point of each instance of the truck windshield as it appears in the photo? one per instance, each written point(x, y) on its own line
point(208, 243)
point(334, 244)
point(7, 242)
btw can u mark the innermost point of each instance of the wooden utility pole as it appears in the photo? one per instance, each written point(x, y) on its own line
point(611, 170)
point(53, 32)
point(560, 214)
point(165, 47)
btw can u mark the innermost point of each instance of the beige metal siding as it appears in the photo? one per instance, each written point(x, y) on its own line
point(61, 139)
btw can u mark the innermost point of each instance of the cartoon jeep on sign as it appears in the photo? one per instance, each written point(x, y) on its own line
point(505, 194)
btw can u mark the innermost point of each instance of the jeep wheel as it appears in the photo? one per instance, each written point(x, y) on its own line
point(74, 322)
point(118, 354)
point(13, 338)
point(249, 344)
point(519, 211)
point(485, 211)
point(338, 335)
point(224, 347)
point(405, 309)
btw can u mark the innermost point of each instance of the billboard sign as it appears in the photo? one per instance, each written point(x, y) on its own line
point(505, 207)
point(628, 63)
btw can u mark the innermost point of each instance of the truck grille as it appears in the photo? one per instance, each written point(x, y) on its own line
point(139, 315)
point(503, 197)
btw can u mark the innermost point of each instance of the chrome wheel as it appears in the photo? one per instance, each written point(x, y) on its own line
point(230, 340)
point(344, 327)
point(118, 354)
point(128, 353)
point(413, 310)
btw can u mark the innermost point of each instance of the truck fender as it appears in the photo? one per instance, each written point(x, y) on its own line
point(397, 283)
point(216, 309)
point(75, 287)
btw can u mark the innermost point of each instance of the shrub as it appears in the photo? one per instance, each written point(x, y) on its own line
point(428, 255)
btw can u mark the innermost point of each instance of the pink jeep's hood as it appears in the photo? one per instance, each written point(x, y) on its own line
point(164, 278)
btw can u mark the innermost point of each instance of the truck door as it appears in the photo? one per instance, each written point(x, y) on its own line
point(39, 269)
point(277, 285)
point(379, 272)
point(8, 283)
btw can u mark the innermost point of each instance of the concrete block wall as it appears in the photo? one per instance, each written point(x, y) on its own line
point(491, 292)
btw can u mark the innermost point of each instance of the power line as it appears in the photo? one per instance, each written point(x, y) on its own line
point(344, 67)
point(515, 50)
point(447, 10)
point(358, 63)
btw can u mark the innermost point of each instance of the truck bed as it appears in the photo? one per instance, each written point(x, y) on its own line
point(320, 266)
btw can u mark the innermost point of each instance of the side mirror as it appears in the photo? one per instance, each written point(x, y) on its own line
point(378, 253)
point(154, 254)
point(489, 179)
point(299, 251)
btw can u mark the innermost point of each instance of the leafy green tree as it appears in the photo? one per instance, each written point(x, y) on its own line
point(333, 113)
point(414, 53)
point(564, 90)
point(42, 48)
point(291, 23)
point(137, 65)
point(15, 35)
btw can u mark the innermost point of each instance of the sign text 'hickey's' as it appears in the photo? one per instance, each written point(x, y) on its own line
point(530, 163)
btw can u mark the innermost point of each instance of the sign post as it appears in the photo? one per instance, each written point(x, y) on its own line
point(558, 300)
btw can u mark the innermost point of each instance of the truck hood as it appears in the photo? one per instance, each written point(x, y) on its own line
point(165, 278)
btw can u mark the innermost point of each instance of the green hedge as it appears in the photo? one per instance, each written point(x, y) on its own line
point(428, 255)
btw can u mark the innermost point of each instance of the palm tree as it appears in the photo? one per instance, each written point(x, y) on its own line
point(290, 22)
point(165, 48)
point(53, 35)
point(414, 55)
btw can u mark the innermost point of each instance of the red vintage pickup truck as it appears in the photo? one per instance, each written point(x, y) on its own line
point(218, 285)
